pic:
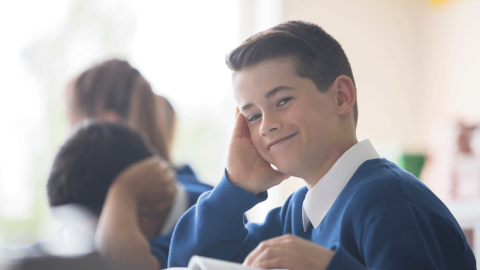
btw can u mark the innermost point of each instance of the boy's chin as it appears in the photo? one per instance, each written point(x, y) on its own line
point(286, 169)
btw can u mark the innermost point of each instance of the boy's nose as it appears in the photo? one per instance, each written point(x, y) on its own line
point(269, 125)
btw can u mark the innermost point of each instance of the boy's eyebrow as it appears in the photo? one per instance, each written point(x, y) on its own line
point(270, 94)
point(275, 90)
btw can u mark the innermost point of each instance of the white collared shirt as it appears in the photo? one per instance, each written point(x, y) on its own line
point(179, 206)
point(321, 197)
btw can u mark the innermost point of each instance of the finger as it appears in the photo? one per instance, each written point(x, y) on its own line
point(153, 206)
point(155, 201)
point(158, 183)
point(171, 188)
point(274, 240)
point(164, 164)
point(280, 262)
point(266, 253)
point(237, 111)
point(171, 173)
point(251, 257)
point(241, 129)
point(156, 209)
point(261, 256)
point(255, 253)
point(164, 168)
point(156, 187)
point(284, 239)
point(267, 245)
point(139, 167)
point(161, 165)
point(167, 176)
point(152, 161)
point(246, 129)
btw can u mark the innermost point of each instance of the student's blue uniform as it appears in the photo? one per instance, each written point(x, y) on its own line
point(185, 175)
point(384, 218)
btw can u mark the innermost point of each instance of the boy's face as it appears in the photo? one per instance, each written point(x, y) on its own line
point(292, 124)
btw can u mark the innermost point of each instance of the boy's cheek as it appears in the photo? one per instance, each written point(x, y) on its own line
point(260, 149)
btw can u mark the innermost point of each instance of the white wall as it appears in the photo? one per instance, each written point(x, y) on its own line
point(380, 39)
point(450, 47)
point(416, 63)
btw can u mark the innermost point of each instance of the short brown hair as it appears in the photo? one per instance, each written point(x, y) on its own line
point(115, 85)
point(318, 55)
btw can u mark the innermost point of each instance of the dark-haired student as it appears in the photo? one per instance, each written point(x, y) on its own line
point(298, 110)
point(91, 164)
point(115, 91)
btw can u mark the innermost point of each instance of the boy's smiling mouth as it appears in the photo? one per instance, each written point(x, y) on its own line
point(279, 141)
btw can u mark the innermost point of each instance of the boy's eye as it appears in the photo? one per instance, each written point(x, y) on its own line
point(253, 118)
point(283, 101)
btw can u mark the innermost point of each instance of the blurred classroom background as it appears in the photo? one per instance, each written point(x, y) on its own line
point(416, 65)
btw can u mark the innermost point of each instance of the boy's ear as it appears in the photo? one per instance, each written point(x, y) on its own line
point(345, 95)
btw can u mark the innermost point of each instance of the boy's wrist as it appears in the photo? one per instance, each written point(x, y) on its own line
point(229, 202)
point(121, 190)
point(234, 180)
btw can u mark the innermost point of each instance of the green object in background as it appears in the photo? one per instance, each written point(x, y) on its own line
point(412, 163)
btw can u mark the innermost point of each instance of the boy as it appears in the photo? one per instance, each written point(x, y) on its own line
point(297, 110)
point(84, 171)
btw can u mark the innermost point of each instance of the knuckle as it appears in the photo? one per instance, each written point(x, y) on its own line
point(289, 237)
point(272, 263)
point(258, 264)
point(164, 164)
point(171, 172)
point(269, 253)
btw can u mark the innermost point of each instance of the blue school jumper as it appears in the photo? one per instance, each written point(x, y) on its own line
point(160, 245)
point(384, 218)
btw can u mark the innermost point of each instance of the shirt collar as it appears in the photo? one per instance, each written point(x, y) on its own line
point(321, 197)
point(179, 206)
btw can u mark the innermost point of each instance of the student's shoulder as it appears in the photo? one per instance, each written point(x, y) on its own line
point(379, 184)
point(378, 179)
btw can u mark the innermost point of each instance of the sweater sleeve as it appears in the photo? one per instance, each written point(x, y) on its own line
point(406, 237)
point(215, 227)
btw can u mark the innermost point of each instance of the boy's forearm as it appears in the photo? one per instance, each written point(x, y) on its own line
point(118, 235)
point(214, 227)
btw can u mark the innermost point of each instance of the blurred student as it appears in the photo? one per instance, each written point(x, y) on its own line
point(115, 91)
point(297, 110)
point(86, 166)
point(168, 120)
